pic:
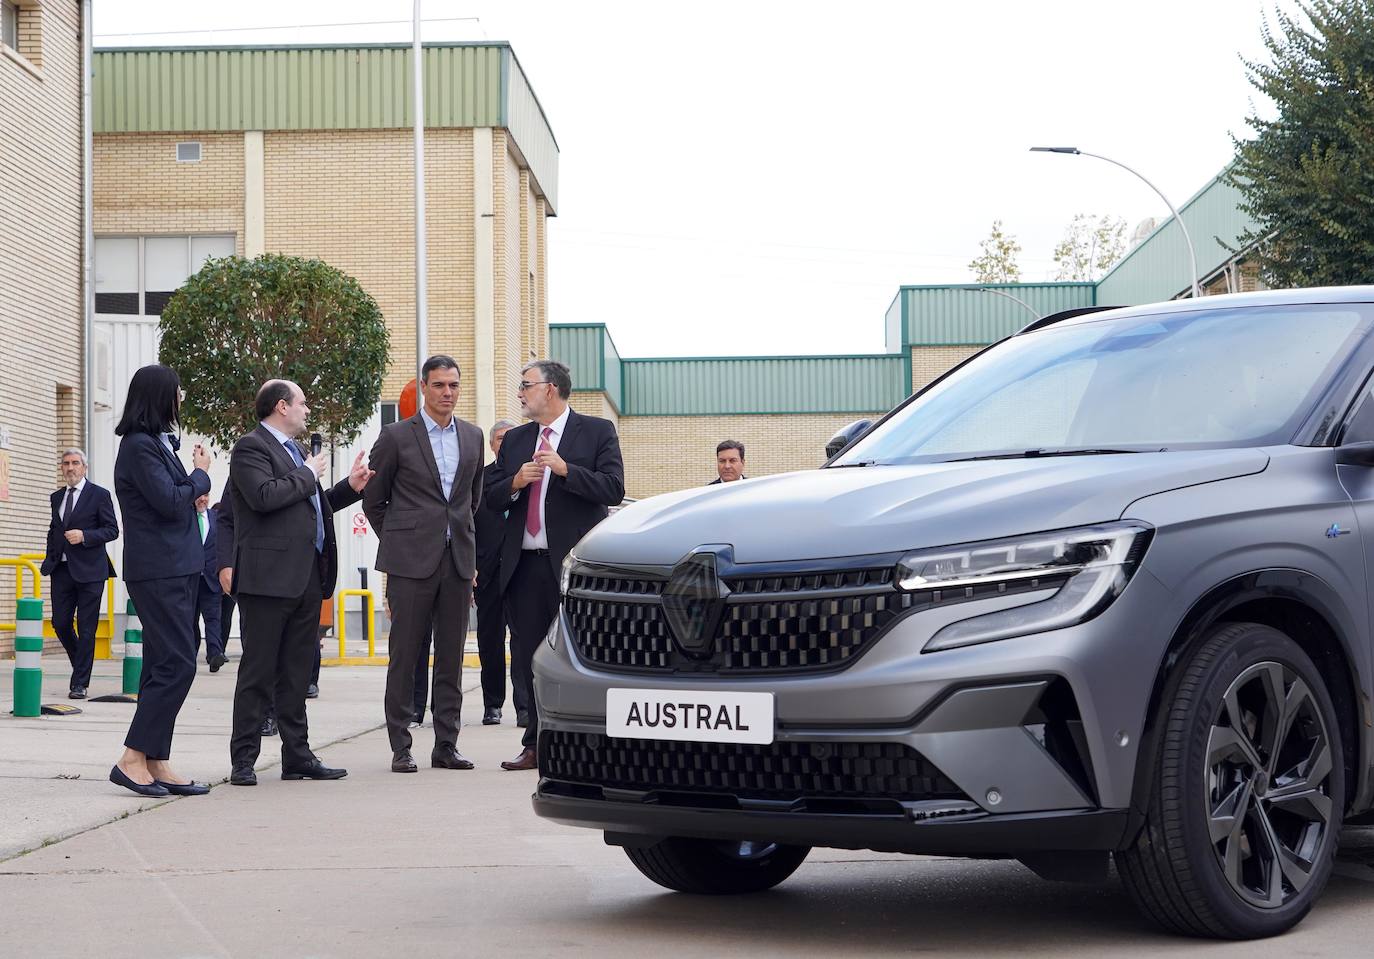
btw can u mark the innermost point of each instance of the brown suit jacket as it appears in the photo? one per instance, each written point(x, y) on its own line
point(405, 501)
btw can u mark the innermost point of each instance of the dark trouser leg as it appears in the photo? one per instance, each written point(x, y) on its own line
point(64, 590)
point(261, 624)
point(531, 604)
point(491, 638)
point(412, 605)
point(315, 669)
point(88, 596)
point(422, 678)
point(226, 621)
point(450, 635)
point(295, 659)
point(166, 607)
point(209, 603)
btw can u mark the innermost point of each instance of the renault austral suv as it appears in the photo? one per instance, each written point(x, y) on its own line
point(1100, 591)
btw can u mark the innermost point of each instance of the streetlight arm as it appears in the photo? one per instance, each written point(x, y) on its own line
point(1034, 312)
point(1192, 254)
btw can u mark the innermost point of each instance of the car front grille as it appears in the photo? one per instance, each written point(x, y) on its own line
point(782, 770)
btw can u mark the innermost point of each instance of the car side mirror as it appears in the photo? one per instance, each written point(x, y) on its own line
point(1355, 454)
point(845, 436)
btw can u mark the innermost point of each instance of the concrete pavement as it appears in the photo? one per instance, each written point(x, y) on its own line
point(455, 863)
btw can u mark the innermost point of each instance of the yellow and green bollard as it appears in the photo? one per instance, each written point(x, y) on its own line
point(28, 658)
point(133, 651)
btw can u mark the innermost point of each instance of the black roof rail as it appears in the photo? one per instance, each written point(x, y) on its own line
point(1053, 318)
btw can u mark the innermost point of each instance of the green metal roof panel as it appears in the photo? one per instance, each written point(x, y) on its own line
point(964, 316)
point(1157, 268)
point(578, 346)
point(530, 129)
point(709, 386)
point(190, 89)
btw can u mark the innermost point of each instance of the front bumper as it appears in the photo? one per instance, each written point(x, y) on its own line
point(917, 830)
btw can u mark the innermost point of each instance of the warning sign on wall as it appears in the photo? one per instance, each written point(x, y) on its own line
point(360, 523)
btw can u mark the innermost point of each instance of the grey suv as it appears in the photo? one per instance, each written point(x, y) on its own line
point(1102, 590)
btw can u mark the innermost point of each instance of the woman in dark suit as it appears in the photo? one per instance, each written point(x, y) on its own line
point(163, 559)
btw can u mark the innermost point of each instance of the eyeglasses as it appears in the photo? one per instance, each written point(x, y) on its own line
point(524, 384)
point(181, 396)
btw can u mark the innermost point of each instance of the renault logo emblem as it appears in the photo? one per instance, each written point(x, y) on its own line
point(693, 601)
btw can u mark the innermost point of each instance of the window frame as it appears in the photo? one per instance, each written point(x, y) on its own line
point(142, 277)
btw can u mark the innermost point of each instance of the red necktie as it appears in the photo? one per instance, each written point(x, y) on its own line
point(532, 524)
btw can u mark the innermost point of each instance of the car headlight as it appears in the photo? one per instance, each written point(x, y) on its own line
point(1088, 568)
point(566, 576)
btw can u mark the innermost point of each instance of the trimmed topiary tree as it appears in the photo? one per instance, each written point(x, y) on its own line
point(240, 322)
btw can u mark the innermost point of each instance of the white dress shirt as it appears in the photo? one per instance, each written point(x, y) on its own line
point(62, 508)
point(557, 426)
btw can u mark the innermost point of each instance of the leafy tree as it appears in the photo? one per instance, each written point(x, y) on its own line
point(997, 263)
point(240, 322)
point(1090, 247)
point(1307, 176)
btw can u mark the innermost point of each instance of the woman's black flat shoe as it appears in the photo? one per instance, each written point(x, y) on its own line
point(152, 790)
point(184, 789)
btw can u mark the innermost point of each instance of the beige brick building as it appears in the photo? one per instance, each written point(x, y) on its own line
point(310, 152)
point(41, 291)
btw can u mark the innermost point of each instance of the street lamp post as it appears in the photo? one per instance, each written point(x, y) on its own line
point(1034, 312)
point(1192, 254)
point(421, 248)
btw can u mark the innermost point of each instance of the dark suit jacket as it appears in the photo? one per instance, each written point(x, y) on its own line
point(491, 534)
point(274, 519)
point(211, 570)
point(94, 515)
point(405, 501)
point(575, 503)
point(157, 499)
point(224, 533)
point(719, 482)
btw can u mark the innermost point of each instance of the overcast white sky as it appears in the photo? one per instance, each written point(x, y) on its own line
point(760, 177)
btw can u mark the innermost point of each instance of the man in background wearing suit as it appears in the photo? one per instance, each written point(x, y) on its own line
point(428, 484)
point(83, 521)
point(285, 563)
point(209, 594)
point(729, 462)
point(554, 479)
point(491, 612)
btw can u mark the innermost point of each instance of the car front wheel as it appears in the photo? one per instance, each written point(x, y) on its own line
point(1245, 808)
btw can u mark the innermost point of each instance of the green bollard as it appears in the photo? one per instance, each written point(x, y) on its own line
point(28, 658)
point(133, 651)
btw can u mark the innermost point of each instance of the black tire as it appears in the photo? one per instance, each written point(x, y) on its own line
point(715, 868)
point(1224, 746)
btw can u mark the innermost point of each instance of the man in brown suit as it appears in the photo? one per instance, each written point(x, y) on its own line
point(421, 502)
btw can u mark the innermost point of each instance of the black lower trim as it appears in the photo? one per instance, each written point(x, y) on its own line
point(976, 834)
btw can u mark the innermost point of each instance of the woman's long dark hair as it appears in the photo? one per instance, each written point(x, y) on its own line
point(152, 402)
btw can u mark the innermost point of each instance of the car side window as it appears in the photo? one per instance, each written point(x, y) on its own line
point(1360, 427)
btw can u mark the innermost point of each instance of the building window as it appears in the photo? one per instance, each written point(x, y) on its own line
point(9, 24)
point(138, 275)
point(188, 151)
point(389, 412)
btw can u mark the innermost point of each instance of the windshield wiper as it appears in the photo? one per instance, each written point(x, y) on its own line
point(855, 465)
point(1036, 454)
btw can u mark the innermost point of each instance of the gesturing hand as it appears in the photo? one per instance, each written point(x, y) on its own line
point(318, 462)
point(529, 473)
point(226, 579)
point(200, 458)
point(75, 536)
point(552, 460)
point(360, 473)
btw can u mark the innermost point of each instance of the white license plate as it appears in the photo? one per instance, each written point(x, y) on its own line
point(690, 715)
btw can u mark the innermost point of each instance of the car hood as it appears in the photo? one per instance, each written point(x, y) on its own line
point(822, 513)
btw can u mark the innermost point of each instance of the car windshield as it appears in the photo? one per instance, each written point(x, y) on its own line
point(1226, 377)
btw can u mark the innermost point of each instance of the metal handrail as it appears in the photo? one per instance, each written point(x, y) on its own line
point(20, 565)
point(369, 619)
point(102, 645)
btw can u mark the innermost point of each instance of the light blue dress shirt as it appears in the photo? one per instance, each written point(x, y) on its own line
point(443, 441)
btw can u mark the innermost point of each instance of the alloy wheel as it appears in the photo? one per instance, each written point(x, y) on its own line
point(1269, 805)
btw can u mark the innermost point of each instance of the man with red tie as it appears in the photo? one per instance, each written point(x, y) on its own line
point(554, 479)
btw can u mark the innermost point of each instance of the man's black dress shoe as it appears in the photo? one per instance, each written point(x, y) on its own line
point(403, 762)
point(526, 760)
point(312, 691)
point(446, 757)
point(313, 770)
point(522, 718)
point(216, 661)
point(184, 789)
point(152, 790)
point(491, 716)
point(269, 727)
point(243, 776)
point(76, 692)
